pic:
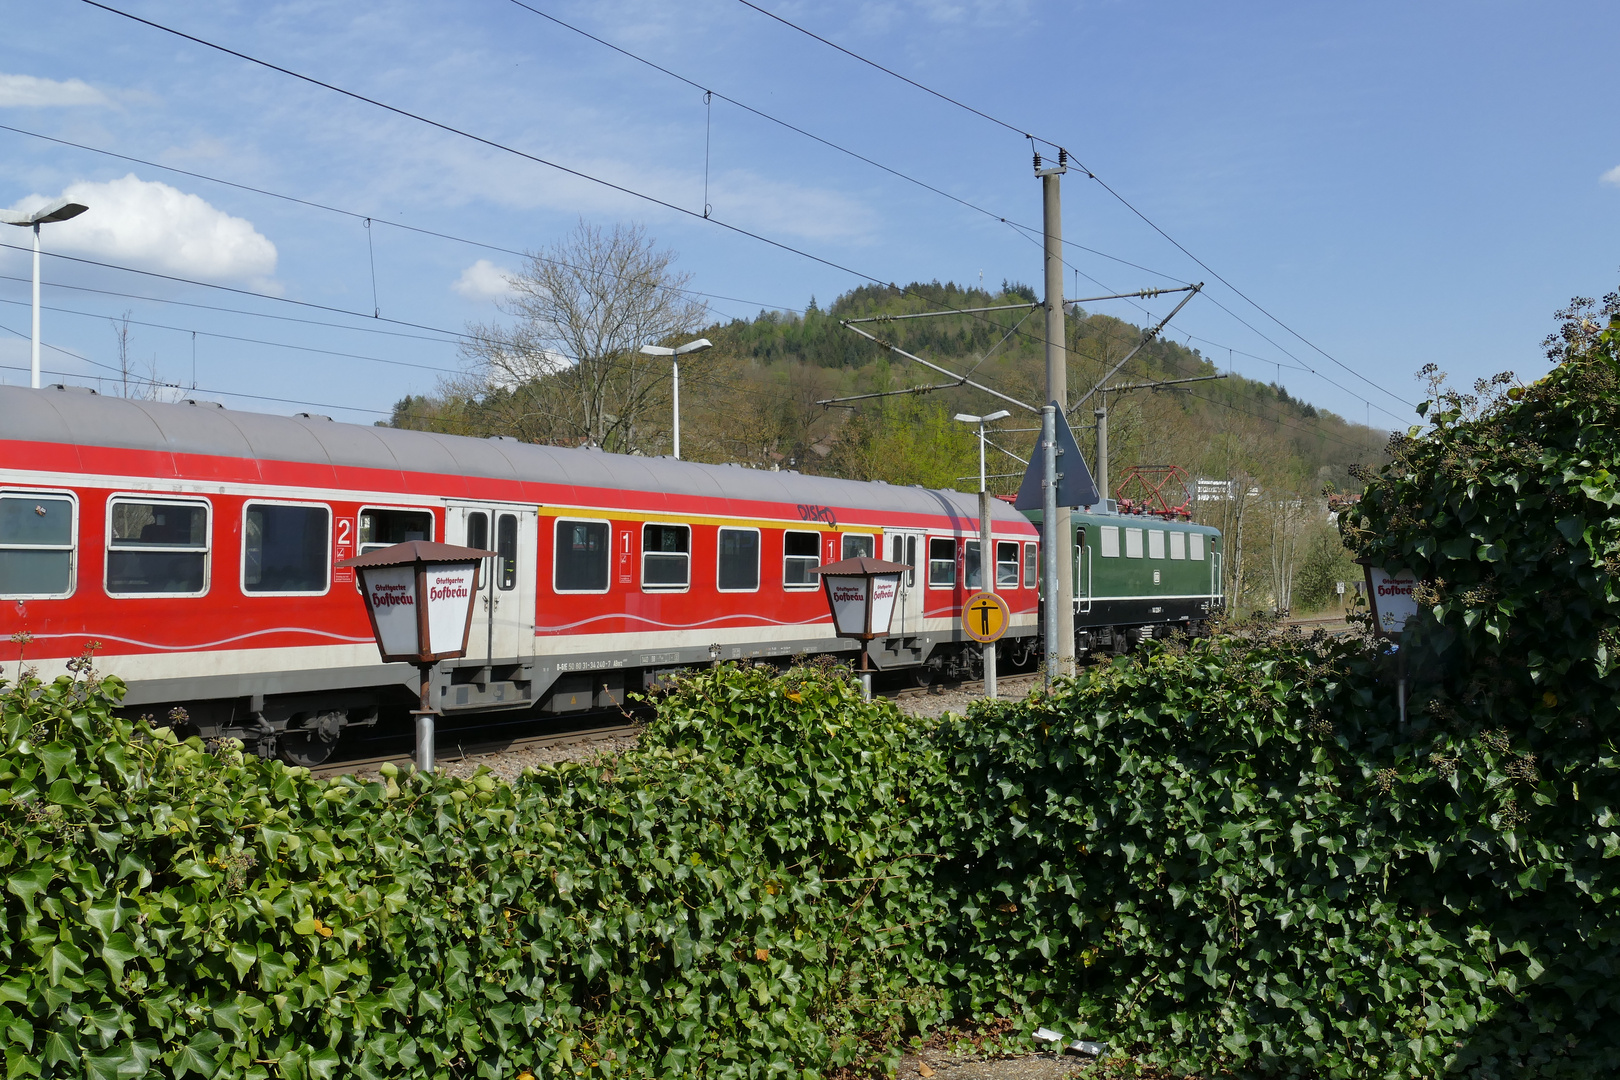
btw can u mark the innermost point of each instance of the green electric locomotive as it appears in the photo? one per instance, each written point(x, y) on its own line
point(1138, 576)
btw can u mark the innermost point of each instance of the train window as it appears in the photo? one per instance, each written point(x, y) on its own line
point(156, 547)
point(1110, 541)
point(506, 537)
point(36, 544)
point(666, 556)
point(911, 560)
point(1155, 543)
point(385, 528)
point(1133, 543)
point(858, 545)
point(971, 577)
point(285, 548)
point(941, 563)
point(1178, 545)
point(801, 553)
point(478, 530)
point(581, 559)
point(1006, 564)
point(739, 560)
point(1195, 542)
point(1032, 554)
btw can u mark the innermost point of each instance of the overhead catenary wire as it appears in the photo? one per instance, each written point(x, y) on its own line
point(496, 145)
point(361, 216)
point(1026, 134)
point(451, 335)
point(493, 144)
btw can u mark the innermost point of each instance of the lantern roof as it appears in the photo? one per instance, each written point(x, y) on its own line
point(415, 551)
point(861, 564)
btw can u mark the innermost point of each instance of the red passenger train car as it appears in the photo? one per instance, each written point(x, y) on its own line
point(199, 545)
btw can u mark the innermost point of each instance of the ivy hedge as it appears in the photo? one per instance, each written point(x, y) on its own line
point(1218, 855)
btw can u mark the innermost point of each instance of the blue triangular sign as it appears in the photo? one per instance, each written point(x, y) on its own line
point(1075, 485)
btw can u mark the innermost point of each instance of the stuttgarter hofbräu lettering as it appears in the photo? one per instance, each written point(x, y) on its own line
point(391, 596)
point(448, 588)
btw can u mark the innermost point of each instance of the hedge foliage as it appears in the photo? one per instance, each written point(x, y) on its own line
point(1220, 855)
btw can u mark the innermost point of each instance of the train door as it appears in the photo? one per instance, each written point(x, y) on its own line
point(503, 618)
point(1082, 573)
point(908, 548)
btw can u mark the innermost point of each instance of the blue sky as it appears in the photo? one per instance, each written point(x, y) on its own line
point(1399, 183)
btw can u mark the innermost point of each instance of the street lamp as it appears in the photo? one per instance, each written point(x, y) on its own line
point(987, 553)
point(1392, 598)
point(675, 374)
point(419, 596)
point(60, 210)
point(860, 594)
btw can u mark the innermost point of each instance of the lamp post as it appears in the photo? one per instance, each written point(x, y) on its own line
point(861, 594)
point(987, 554)
point(675, 374)
point(1392, 599)
point(60, 210)
point(419, 596)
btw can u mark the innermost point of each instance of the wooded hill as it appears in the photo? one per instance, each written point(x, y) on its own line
point(753, 399)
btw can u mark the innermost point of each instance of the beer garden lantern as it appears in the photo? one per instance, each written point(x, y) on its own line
point(419, 596)
point(861, 594)
point(1392, 599)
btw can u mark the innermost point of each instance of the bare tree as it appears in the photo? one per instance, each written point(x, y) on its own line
point(136, 379)
point(570, 369)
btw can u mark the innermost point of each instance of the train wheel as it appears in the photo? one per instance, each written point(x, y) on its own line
point(312, 741)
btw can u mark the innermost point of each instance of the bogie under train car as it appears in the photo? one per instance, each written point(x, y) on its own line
point(199, 545)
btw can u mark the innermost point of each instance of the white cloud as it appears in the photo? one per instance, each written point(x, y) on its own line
point(162, 228)
point(30, 92)
point(483, 280)
point(1611, 177)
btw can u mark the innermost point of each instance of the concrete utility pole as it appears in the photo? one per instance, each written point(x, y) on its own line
point(1059, 531)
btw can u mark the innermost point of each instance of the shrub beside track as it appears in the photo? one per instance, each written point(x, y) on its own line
point(1218, 855)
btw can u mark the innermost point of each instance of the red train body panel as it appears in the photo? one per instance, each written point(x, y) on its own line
point(198, 546)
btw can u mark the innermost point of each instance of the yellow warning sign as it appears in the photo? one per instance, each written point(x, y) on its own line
point(985, 617)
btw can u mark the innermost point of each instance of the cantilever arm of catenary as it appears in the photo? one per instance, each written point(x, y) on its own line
point(1147, 336)
point(961, 380)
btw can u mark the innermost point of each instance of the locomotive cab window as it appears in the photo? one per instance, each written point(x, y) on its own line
point(1178, 545)
point(738, 569)
point(801, 553)
point(285, 548)
point(858, 545)
point(666, 557)
point(36, 544)
point(941, 563)
point(581, 558)
point(1006, 564)
point(157, 547)
point(385, 528)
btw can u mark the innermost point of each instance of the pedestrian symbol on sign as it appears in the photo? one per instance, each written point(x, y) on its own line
point(985, 617)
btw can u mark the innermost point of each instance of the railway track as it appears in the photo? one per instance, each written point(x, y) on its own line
point(400, 755)
point(482, 749)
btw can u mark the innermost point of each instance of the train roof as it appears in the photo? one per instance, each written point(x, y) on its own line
point(1086, 516)
point(80, 417)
